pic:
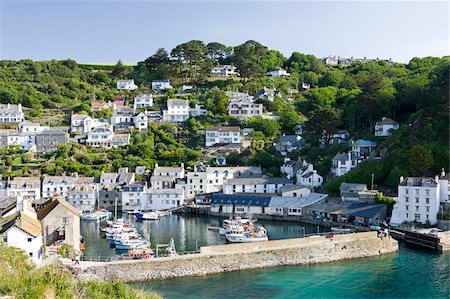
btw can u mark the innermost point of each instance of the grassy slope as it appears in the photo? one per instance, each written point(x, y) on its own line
point(21, 280)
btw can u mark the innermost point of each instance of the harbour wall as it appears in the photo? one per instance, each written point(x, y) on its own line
point(235, 257)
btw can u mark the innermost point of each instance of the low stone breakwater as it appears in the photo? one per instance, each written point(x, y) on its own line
point(235, 257)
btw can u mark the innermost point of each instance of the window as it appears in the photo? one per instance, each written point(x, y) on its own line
point(427, 201)
point(30, 239)
point(65, 220)
point(428, 216)
point(417, 191)
point(406, 199)
point(407, 208)
point(407, 215)
point(295, 194)
point(406, 191)
point(417, 208)
point(417, 200)
point(427, 192)
point(417, 217)
point(427, 209)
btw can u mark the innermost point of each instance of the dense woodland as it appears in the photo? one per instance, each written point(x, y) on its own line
point(353, 98)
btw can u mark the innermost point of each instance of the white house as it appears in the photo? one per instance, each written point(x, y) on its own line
point(22, 230)
point(279, 72)
point(339, 137)
point(331, 60)
point(204, 180)
point(11, 113)
point(177, 110)
point(244, 107)
point(222, 135)
point(418, 200)
point(83, 197)
point(126, 84)
point(165, 177)
point(100, 137)
point(288, 143)
point(140, 120)
point(29, 127)
point(60, 185)
point(295, 191)
point(255, 185)
point(343, 163)
point(444, 185)
point(308, 176)
point(134, 196)
point(25, 140)
point(28, 188)
point(165, 199)
point(198, 110)
point(161, 84)
point(123, 116)
point(143, 100)
point(224, 71)
point(385, 126)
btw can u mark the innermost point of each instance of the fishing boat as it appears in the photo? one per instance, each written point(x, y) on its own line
point(238, 235)
point(93, 216)
point(132, 244)
point(234, 222)
point(147, 216)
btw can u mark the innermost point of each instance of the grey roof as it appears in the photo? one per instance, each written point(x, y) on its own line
point(340, 157)
point(154, 191)
point(52, 132)
point(109, 176)
point(288, 138)
point(121, 137)
point(387, 121)
point(353, 187)
point(224, 129)
point(258, 180)
point(419, 182)
point(241, 199)
point(288, 188)
point(296, 202)
point(79, 116)
point(308, 174)
point(161, 169)
point(177, 102)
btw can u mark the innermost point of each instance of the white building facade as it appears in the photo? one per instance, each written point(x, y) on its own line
point(222, 135)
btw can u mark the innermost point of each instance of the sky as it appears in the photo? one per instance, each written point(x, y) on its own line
point(106, 31)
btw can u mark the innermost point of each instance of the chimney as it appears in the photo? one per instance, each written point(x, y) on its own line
point(402, 179)
point(349, 156)
point(442, 172)
point(156, 165)
point(182, 166)
point(75, 175)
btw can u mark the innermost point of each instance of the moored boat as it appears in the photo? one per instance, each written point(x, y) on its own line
point(147, 216)
point(239, 235)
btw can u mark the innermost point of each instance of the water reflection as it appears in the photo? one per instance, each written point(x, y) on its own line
point(189, 232)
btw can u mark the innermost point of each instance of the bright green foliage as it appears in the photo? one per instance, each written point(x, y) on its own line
point(20, 279)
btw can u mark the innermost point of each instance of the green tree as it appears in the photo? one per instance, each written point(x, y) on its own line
point(269, 127)
point(247, 58)
point(289, 118)
point(217, 51)
point(420, 161)
point(120, 70)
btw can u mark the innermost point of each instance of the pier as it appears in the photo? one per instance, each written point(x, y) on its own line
point(434, 242)
point(236, 257)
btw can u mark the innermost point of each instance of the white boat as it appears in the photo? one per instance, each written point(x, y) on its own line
point(236, 221)
point(148, 216)
point(94, 216)
point(237, 235)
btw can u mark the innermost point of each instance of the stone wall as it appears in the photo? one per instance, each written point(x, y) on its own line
point(235, 257)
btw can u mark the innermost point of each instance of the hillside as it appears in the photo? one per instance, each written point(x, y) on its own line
point(352, 98)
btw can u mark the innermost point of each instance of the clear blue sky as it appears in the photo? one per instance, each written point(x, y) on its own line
point(106, 31)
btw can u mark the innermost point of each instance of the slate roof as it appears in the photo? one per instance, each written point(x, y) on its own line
point(419, 182)
point(296, 202)
point(340, 157)
point(353, 187)
point(241, 199)
point(288, 188)
point(42, 213)
point(223, 129)
point(258, 180)
point(387, 121)
point(177, 102)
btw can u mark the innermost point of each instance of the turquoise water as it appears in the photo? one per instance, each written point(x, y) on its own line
point(406, 274)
